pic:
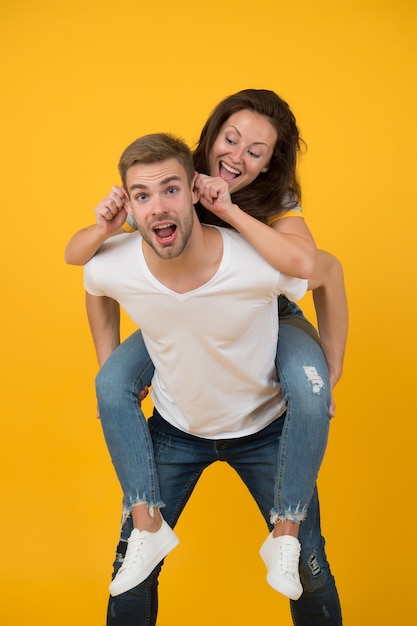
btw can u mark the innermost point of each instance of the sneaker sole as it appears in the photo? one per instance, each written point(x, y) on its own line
point(286, 589)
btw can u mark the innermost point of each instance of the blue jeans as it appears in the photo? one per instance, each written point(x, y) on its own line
point(180, 460)
point(303, 374)
point(304, 377)
point(125, 428)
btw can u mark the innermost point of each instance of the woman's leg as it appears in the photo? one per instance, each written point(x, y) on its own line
point(302, 370)
point(125, 428)
point(126, 431)
point(303, 373)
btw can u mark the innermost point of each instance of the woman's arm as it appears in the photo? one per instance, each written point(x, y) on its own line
point(288, 245)
point(327, 283)
point(110, 217)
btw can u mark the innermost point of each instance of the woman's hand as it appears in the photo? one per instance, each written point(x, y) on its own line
point(111, 212)
point(214, 196)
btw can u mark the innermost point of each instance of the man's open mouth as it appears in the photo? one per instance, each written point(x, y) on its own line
point(165, 233)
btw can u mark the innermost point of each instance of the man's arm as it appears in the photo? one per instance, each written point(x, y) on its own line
point(330, 301)
point(104, 319)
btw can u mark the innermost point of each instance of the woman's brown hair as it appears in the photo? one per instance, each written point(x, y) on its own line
point(273, 191)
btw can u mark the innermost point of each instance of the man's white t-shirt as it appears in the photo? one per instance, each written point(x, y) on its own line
point(213, 347)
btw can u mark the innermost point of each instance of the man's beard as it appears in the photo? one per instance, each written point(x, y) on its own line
point(173, 251)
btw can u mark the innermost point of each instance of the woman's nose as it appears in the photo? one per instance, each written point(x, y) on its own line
point(237, 154)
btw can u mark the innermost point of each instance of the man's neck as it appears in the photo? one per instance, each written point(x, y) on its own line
point(194, 267)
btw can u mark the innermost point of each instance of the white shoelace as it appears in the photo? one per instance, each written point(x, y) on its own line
point(289, 557)
point(133, 548)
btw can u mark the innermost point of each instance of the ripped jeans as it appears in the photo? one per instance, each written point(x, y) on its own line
point(180, 459)
point(304, 378)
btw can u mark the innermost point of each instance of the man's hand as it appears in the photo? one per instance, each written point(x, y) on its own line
point(111, 212)
point(142, 394)
point(332, 408)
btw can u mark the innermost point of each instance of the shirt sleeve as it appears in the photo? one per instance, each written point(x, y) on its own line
point(130, 224)
point(293, 288)
point(89, 282)
point(292, 210)
point(280, 216)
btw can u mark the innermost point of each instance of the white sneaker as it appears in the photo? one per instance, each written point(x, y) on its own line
point(144, 551)
point(281, 556)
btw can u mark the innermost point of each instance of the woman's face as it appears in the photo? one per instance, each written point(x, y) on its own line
point(242, 149)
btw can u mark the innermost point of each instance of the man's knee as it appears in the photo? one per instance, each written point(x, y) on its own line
point(314, 569)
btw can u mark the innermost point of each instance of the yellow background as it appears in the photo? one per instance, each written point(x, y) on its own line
point(79, 81)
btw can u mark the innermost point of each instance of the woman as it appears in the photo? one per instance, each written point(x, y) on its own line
point(248, 148)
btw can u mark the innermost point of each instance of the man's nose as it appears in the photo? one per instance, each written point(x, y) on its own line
point(157, 205)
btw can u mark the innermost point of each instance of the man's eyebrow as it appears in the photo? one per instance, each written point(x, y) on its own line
point(169, 179)
point(163, 182)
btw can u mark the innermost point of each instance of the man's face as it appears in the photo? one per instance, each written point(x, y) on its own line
point(161, 200)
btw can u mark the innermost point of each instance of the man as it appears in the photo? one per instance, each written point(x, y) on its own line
point(206, 303)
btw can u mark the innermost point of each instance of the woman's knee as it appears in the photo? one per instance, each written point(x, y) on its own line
point(128, 369)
